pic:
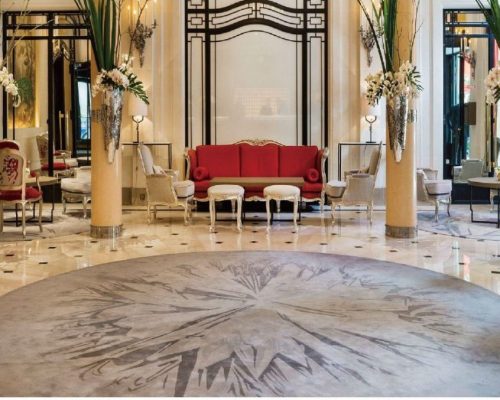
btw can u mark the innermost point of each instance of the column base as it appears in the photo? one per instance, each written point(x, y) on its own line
point(401, 232)
point(105, 232)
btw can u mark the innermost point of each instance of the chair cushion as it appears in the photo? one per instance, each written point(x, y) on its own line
point(312, 187)
point(435, 188)
point(258, 161)
point(58, 166)
point(281, 191)
point(312, 175)
point(335, 189)
point(13, 195)
point(221, 160)
point(74, 185)
point(184, 188)
point(200, 173)
point(296, 160)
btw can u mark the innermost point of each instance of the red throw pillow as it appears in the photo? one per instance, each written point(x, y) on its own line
point(312, 175)
point(200, 173)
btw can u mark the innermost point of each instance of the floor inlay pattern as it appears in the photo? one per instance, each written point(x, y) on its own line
point(250, 323)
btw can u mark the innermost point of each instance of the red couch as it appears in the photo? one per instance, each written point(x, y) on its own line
point(259, 159)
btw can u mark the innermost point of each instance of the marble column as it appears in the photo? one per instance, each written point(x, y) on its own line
point(106, 181)
point(401, 192)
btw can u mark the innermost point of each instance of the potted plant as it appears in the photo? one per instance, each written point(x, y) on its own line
point(115, 75)
point(399, 80)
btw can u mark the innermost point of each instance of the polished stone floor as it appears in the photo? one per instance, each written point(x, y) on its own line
point(25, 262)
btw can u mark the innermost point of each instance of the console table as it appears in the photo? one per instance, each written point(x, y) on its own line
point(486, 183)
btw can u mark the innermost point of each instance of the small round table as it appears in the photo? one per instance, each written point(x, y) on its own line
point(486, 183)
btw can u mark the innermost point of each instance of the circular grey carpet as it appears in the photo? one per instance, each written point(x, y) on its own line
point(250, 324)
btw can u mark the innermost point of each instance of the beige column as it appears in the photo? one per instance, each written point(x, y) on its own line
point(106, 183)
point(401, 192)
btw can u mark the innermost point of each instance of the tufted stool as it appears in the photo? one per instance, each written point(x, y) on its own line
point(77, 189)
point(222, 193)
point(282, 193)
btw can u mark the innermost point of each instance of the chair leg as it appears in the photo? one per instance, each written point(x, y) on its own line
point(268, 213)
point(84, 207)
point(149, 213)
point(40, 214)
point(23, 218)
point(449, 205)
point(322, 205)
point(155, 212)
point(492, 200)
point(64, 203)
point(436, 211)
point(295, 212)
point(334, 208)
point(186, 212)
point(240, 207)
point(1, 216)
point(212, 215)
point(278, 206)
point(370, 213)
point(233, 206)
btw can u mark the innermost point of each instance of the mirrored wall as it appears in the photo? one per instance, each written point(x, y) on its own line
point(49, 55)
point(471, 138)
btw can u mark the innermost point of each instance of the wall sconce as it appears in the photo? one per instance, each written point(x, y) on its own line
point(139, 31)
point(138, 111)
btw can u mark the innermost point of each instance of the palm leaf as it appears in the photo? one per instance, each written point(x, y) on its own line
point(491, 12)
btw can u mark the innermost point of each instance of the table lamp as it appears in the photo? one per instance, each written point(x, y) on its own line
point(371, 115)
point(138, 111)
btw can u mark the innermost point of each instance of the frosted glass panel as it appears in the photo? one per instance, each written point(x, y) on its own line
point(255, 89)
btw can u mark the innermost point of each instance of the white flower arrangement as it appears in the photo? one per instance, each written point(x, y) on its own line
point(405, 82)
point(121, 77)
point(492, 83)
point(10, 86)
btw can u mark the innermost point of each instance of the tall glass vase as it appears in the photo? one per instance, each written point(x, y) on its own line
point(397, 123)
point(112, 121)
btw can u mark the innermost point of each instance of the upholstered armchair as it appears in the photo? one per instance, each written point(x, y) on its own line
point(163, 187)
point(63, 164)
point(77, 189)
point(469, 169)
point(432, 190)
point(358, 187)
point(13, 188)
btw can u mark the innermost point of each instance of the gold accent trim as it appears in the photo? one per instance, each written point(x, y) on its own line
point(105, 232)
point(401, 232)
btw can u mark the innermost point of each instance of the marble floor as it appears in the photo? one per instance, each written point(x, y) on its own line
point(25, 262)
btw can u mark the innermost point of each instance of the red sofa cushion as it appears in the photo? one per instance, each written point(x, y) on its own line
point(58, 166)
point(13, 195)
point(259, 161)
point(194, 161)
point(221, 160)
point(312, 175)
point(296, 160)
point(200, 173)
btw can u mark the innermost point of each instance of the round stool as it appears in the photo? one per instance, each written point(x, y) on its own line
point(282, 193)
point(222, 193)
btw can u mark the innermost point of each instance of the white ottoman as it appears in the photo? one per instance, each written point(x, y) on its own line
point(282, 193)
point(223, 193)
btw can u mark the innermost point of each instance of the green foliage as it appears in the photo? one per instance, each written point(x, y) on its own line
point(491, 11)
point(25, 87)
point(102, 16)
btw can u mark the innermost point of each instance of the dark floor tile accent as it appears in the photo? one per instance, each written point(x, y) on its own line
point(255, 231)
point(495, 272)
point(10, 255)
point(184, 244)
point(52, 247)
point(147, 247)
point(134, 237)
point(393, 251)
point(427, 256)
point(8, 272)
point(78, 256)
point(175, 234)
point(43, 263)
point(289, 242)
point(455, 248)
point(324, 244)
point(94, 241)
point(414, 242)
point(480, 240)
point(334, 234)
point(358, 247)
point(219, 242)
point(254, 241)
point(462, 263)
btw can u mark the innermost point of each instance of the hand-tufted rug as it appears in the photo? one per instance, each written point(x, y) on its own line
point(460, 225)
point(250, 324)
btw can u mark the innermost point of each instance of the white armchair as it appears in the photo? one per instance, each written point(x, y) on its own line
point(358, 187)
point(469, 169)
point(163, 187)
point(432, 190)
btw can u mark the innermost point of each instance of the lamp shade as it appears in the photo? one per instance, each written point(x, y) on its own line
point(136, 107)
point(368, 110)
